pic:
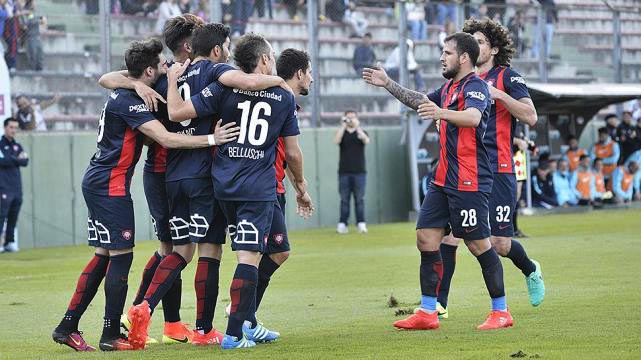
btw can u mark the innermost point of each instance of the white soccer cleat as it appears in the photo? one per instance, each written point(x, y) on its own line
point(341, 228)
point(362, 228)
point(11, 247)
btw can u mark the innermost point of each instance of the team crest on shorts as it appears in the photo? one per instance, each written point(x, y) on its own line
point(127, 234)
point(279, 238)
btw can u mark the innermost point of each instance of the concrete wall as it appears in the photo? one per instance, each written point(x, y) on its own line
point(53, 212)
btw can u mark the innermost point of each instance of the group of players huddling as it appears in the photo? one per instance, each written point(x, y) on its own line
point(219, 149)
point(473, 191)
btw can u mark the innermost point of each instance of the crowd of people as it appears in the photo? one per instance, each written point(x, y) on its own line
point(608, 172)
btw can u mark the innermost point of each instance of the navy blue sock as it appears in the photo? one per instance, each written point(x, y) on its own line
point(243, 298)
point(171, 301)
point(430, 275)
point(147, 275)
point(492, 273)
point(266, 269)
point(116, 292)
point(206, 285)
point(520, 259)
point(448, 254)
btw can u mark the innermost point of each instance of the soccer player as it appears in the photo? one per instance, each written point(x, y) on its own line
point(106, 189)
point(510, 101)
point(243, 173)
point(213, 47)
point(459, 192)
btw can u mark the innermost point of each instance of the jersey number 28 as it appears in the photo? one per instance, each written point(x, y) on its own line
point(256, 131)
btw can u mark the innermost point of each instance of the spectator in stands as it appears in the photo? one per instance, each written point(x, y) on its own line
point(137, 7)
point(259, 6)
point(184, 6)
point(241, 11)
point(562, 187)
point(516, 25)
point(12, 157)
point(11, 33)
point(345, 11)
point(600, 192)
point(29, 114)
point(495, 10)
point(364, 55)
point(608, 151)
point(447, 10)
point(352, 174)
point(416, 20)
point(582, 182)
point(574, 153)
point(393, 64)
point(166, 10)
point(627, 134)
point(543, 194)
point(449, 28)
point(551, 18)
point(31, 35)
point(4, 15)
point(292, 8)
point(203, 12)
point(624, 184)
point(612, 124)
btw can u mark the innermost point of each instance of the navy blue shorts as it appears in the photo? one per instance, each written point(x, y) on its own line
point(278, 241)
point(156, 194)
point(249, 223)
point(466, 211)
point(194, 213)
point(502, 205)
point(110, 223)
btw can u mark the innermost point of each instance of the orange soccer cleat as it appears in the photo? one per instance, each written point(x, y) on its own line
point(497, 319)
point(177, 332)
point(213, 337)
point(119, 343)
point(140, 317)
point(421, 320)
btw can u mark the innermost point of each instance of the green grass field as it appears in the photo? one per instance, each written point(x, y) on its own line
point(330, 299)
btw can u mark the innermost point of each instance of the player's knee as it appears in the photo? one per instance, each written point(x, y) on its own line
point(428, 239)
point(165, 248)
point(280, 258)
point(478, 247)
point(451, 240)
point(120, 251)
point(214, 251)
point(248, 257)
point(102, 251)
point(501, 245)
point(186, 251)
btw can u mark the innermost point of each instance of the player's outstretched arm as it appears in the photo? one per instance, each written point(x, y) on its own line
point(120, 80)
point(378, 77)
point(241, 80)
point(178, 109)
point(155, 130)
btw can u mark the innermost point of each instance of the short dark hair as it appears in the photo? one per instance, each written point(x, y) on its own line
point(142, 54)
point(368, 34)
point(596, 160)
point(290, 61)
point(544, 165)
point(10, 119)
point(609, 116)
point(570, 138)
point(248, 51)
point(603, 130)
point(350, 111)
point(498, 36)
point(583, 157)
point(207, 37)
point(179, 30)
point(465, 43)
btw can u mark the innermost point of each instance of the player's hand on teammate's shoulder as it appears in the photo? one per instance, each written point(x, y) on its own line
point(176, 70)
point(148, 95)
point(225, 133)
point(495, 93)
point(375, 76)
point(304, 205)
point(429, 110)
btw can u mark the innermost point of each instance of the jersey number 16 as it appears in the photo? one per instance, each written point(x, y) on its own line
point(256, 124)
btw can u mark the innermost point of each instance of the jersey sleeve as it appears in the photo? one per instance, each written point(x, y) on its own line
point(515, 85)
point(137, 114)
point(218, 70)
point(476, 95)
point(435, 96)
point(207, 101)
point(290, 127)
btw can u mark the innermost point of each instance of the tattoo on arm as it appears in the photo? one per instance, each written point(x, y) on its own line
point(408, 97)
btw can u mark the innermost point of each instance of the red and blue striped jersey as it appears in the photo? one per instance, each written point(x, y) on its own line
point(501, 124)
point(463, 163)
point(119, 144)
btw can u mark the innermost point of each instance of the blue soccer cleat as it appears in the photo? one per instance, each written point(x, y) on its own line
point(232, 342)
point(535, 285)
point(259, 334)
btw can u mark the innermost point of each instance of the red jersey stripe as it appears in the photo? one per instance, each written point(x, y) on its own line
point(118, 176)
point(466, 153)
point(441, 169)
point(503, 131)
point(160, 159)
point(280, 165)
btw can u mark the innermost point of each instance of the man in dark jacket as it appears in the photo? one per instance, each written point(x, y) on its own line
point(364, 56)
point(543, 194)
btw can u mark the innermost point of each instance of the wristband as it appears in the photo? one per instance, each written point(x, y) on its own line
point(211, 139)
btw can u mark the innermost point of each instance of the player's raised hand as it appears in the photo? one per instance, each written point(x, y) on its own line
point(176, 70)
point(375, 76)
point(148, 95)
point(304, 206)
point(429, 110)
point(225, 133)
